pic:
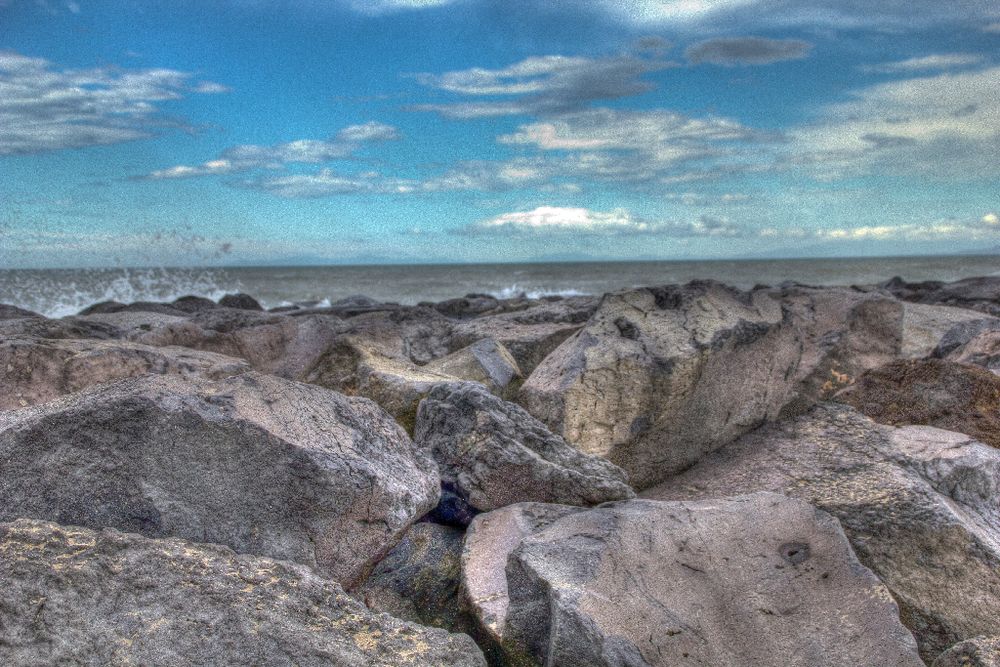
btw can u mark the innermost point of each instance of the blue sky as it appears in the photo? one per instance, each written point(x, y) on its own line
point(301, 131)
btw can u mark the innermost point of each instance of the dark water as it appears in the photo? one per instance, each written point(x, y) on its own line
point(59, 292)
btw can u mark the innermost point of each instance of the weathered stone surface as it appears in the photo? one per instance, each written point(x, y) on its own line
point(11, 312)
point(419, 580)
point(982, 294)
point(77, 596)
point(496, 454)
point(920, 506)
point(38, 370)
point(529, 333)
point(983, 350)
point(485, 361)
point(134, 322)
point(263, 465)
point(754, 580)
point(962, 332)
point(932, 392)
point(976, 652)
point(109, 307)
point(68, 327)
point(469, 306)
point(193, 304)
point(937, 330)
point(240, 301)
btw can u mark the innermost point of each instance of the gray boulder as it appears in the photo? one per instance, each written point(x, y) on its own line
point(981, 294)
point(757, 580)
point(240, 301)
point(921, 507)
point(81, 597)
point(12, 312)
point(975, 652)
point(982, 350)
point(39, 370)
point(495, 454)
point(486, 361)
point(260, 464)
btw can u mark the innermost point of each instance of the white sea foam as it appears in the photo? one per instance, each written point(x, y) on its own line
point(514, 290)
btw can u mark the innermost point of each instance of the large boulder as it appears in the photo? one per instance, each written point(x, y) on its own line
point(486, 361)
point(982, 350)
point(496, 454)
point(263, 465)
point(660, 376)
point(82, 597)
point(240, 301)
point(67, 327)
point(39, 370)
point(920, 505)
point(757, 580)
point(975, 652)
point(12, 312)
point(933, 392)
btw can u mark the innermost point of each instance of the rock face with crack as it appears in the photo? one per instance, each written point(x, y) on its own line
point(495, 454)
point(263, 465)
point(38, 370)
point(976, 652)
point(982, 350)
point(932, 392)
point(920, 506)
point(756, 580)
point(486, 361)
point(78, 596)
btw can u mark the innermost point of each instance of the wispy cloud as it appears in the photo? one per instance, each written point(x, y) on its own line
point(378, 7)
point(732, 51)
point(308, 151)
point(540, 85)
point(43, 108)
point(939, 61)
point(546, 220)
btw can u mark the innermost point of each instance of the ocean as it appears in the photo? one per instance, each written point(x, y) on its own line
point(61, 292)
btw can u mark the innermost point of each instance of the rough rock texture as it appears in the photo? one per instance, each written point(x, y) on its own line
point(76, 596)
point(9, 312)
point(38, 370)
point(419, 580)
point(485, 361)
point(109, 307)
point(982, 294)
point(240, 301)
point(69, 327)
point(936, 330)
point(933, 392)
point(758, 580)
point(263, 465)
point(193, 304)
point(530, 333)
point(983, 350)
point(962, 333)
point(976, 652)
point(496, 454)
point(920, 505)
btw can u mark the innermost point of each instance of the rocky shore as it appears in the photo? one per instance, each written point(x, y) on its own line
point(674, 475)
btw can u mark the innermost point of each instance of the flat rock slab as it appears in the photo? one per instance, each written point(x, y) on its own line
point(757, 580)
point(77, 596)
point(920, 505)
point(37, 370)
point(494, 453)
point(261, 464)
point(931, 392)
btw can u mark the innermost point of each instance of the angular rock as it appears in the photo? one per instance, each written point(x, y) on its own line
point(419, 580)
point(982, 294)
point(193, 304)
point(757, 580)
point(931, 392)
point(67, 327)
point(260, 464)
point(920, 506)
point(240, 301)
point(77, 596)
point(976, 652)
point(983, 350)
point(469, 306)
point(40, 370)
point(485, 361)
point(961, 333)
point(496, 454)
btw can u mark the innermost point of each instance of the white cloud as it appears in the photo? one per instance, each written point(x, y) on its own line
point(43, 108)
point(540, 85)
point(939, 61)
point(993, 28)
point(583, 221)
point(991, 220)
point(377, 7)
point(940, 125)
point(306, 151)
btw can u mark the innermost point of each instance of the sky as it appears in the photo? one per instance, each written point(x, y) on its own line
point(236, 132)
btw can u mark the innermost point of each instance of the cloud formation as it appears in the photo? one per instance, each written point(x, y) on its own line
point(308, 151)
point(583, 221)
point(43, 108)
point(939, 61)
point(540, 85)
point(733, 51)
